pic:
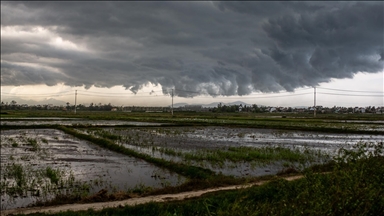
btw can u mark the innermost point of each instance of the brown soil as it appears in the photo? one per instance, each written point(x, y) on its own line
point(131, 201)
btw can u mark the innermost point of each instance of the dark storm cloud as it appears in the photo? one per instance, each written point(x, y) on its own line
point(215, 48)
point(22, 75)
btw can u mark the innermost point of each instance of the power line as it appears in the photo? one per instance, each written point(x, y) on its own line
point(172, 103)
point(282, 95)
point(117, 93)
point(50, 94)
point(351, 90)
point(37, 95)
point(314, 105)
point(75, 99)
point(252, 97)
point(121, 96)
point(335, 102)
point(102, 95)
point(213, 94)
point(350, 94)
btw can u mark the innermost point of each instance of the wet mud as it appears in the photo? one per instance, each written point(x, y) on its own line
point(90, 164)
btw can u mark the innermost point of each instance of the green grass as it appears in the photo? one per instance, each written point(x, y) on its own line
point(18, 173)
point(249, 154)
point(34, 143)
point(299, 158)
point(54, 175)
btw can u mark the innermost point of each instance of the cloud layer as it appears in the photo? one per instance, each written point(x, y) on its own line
point(219, 48)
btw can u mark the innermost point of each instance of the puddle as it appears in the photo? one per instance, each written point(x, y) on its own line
point(88, 163)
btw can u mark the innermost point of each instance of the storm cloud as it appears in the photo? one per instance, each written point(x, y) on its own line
point(215, 48)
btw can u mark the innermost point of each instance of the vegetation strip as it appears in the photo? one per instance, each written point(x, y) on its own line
point(134, 201)
point(324, 123)
point(192, 172)
point(290, 127)
point(215, 157)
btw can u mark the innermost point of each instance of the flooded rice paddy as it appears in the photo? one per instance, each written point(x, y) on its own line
point(38, 164)
point(73, 122)
point(29, 159)
point(201, 146)
point(190, 138)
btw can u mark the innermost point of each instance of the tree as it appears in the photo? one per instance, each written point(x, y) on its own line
point(13, 104)
point(256, 109)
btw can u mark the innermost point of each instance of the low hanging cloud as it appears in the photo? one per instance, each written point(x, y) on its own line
point(214, 48)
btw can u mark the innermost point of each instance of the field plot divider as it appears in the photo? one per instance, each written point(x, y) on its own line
point(191, 172)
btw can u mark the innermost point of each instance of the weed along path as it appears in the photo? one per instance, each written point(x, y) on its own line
point(132, 201)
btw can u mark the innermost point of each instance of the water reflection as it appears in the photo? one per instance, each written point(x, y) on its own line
point(73, 122)
point(100, 168)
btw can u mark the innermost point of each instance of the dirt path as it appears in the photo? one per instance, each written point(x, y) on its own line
point(131, 201)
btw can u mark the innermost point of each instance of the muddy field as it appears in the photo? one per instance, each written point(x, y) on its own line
point(26, 153)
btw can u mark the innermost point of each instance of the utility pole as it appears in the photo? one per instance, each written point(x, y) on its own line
point(314, 106)
point(172, 103)
point(75, 99)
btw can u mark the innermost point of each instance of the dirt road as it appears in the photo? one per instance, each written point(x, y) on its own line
point(131, 201)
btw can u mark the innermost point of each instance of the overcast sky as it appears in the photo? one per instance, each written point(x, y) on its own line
point(206, 51)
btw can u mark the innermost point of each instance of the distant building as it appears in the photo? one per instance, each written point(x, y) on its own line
point(359, 110)
point(240, 107)
point(379, 110)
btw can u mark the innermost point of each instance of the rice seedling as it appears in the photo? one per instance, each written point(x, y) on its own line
point(33, 143)
point(353, 187)
point(54, 175)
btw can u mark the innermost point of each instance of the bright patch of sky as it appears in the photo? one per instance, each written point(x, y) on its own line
point(368, 89)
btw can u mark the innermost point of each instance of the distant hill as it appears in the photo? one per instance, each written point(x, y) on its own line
point(238, 103)
point(179, 104)
point(33, 102)
point(214, 104)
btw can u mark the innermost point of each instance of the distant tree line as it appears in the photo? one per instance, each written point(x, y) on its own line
point(221, 108)
point(240, 108)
